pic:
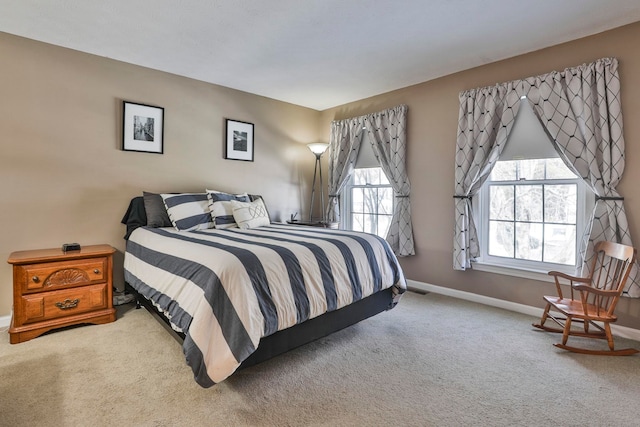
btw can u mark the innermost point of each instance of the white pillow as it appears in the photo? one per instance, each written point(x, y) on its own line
point(220, 208)
point(188, 211)
point(250, 214)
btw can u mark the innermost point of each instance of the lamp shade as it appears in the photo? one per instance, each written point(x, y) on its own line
point(318, 147)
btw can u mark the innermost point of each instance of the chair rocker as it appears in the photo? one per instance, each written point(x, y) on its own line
point(592, 299)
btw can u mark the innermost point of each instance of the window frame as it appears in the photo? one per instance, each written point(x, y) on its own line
point(346, 205)
point(528, 268)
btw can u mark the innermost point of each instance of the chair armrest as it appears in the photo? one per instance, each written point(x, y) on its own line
point(587, 288)
point(557, 274)
point(571, 279)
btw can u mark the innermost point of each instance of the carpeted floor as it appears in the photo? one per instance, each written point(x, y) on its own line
point(431, 361)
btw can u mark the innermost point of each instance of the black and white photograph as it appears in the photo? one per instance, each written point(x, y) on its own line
point(142, 128)
point(239, 140)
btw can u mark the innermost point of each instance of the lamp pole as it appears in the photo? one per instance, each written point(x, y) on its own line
point(317, 149)
point(313, 186)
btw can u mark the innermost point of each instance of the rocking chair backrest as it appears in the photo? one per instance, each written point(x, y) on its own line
point(610, 270)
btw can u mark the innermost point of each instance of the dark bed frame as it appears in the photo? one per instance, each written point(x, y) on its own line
point(297, 335)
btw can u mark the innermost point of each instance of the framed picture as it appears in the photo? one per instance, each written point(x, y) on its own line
point(239, 141)
point(142, 128)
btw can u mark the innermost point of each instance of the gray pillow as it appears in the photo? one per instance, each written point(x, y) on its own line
point(156, 210)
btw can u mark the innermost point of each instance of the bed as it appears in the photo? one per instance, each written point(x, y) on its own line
point(236, 297)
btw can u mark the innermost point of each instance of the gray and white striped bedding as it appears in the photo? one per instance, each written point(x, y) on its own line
point(225, 289)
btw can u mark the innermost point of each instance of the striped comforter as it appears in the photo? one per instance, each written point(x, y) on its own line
point(225, 289)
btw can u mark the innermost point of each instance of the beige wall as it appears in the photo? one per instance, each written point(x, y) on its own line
point(64, 177)
point(432, 125)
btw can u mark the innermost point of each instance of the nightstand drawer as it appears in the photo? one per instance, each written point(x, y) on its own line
point(55, 304)
point(62, 274)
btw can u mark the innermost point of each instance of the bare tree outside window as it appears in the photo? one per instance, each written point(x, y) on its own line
point(371, 202)
point(533, 211)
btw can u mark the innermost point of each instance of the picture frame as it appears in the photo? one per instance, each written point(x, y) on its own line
point(238, 140)
point(142, 128)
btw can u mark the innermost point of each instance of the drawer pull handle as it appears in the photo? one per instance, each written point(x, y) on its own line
point(96, 271)
point(67, 304)
point(35, 279)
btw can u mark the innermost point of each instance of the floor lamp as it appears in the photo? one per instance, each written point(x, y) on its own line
point(317, 148)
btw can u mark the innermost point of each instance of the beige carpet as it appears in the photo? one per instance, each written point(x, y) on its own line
point(431, 361)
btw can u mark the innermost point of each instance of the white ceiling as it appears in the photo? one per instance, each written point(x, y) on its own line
point(314, 53)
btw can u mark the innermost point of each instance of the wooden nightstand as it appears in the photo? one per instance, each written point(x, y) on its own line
point(53, 289)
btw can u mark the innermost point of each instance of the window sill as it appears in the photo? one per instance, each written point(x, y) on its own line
point(517, 272)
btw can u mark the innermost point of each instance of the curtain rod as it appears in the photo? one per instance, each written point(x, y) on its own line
point(371, 114)
point(610, 60)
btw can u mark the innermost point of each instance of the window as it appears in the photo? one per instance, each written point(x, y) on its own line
point(368, 202)
point(532, 212)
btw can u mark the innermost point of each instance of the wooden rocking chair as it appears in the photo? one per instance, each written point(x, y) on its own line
point(595, 299)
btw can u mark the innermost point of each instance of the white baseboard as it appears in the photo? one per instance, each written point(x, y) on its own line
point(617, 330)
point(4, 322)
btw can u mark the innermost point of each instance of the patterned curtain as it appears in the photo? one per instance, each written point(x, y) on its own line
point(485, 120)
point(387, 133)
point(580, 109)
point(344, 146)
point(581, 112)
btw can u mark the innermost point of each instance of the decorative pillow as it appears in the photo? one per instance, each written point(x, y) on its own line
point(250, 214)
point(156, 211)
point(254, 197)
point(220, 208)
point(188, 211)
